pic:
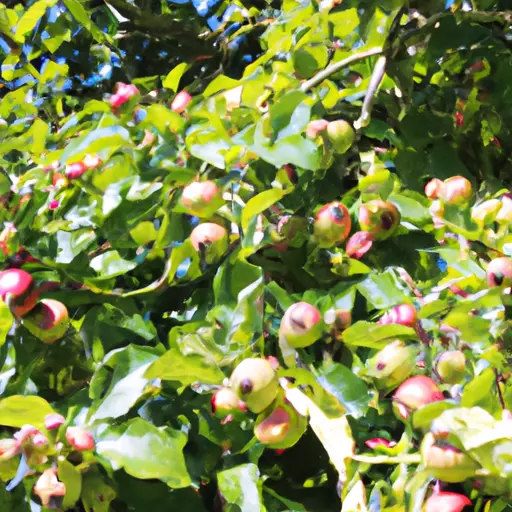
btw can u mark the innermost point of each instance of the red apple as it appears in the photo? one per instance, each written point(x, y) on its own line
point(180, 102)
point(332, 224)
point(414, 393)
point(301, 325)
point(434, 189)
point(201, 198)
point(79, 438)
point(457, 190)
point(20, 285)
point(446, 502)
point(404, 314)
point(380, 218)
point(48, 321)
point(499, 272)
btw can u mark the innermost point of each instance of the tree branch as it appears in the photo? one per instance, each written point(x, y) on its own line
point(337, 66)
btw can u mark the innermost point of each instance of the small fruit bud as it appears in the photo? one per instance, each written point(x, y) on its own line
point(281, 428)
point(60, 181)
point(392, 365)
point(48, 487)
point(446, 462)
point(332, 224)
point(486, 212)
point(380, 218)
point(315, 127)
point(404, 314)
point(9, 448)
point(180, 102)
point(91, 161)
point(53, 421)
point(201, 198)
point(457, 190)
point(75, 170)
point(341, 135)
point(447, 502)
point(451, 366)
point(122, 94)
point(378, 442)
point(359, 244)
point(48, 321)
point(211, 238)
point(434, 189)
point(414, 393)
point(225, 402)
point(20, 286)
point(499, 272)
point(79, 438)
point(301, 325)
point(255, 382)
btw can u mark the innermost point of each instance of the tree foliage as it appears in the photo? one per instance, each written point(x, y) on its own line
point(305, 132)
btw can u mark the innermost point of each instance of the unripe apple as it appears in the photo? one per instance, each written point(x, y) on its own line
point(75, 170)
point(359, 244)
point(341, 135)
point(505, 213)
point(392, 365)
point(486, 212)
point(225, 402)
point(457, 190)
point(301, 325)
point(122, 94)
point(48, 321)
point(213, 238)
point(48, 487)
point(451, 366)
point(80, 439)
point(315, 127)
point(255, 381)
point(201, 198)
point(332, 224)
point(499, 272)
point(281, 428)
point(180, 102)
point(380, 218)
point(446, 462)
point(434, 189)
point(20, 285)
point(414, 393)
point(404, 314)
point(446, 502)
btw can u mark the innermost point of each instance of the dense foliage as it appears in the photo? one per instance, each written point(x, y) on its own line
point(255, 257)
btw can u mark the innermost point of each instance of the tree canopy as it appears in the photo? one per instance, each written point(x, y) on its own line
point(255, 256)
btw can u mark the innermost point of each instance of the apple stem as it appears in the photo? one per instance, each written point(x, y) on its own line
point(336, 66)
point(500, 394)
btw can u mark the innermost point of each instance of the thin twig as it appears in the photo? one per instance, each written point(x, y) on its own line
point(500, 394)
point(337, 66)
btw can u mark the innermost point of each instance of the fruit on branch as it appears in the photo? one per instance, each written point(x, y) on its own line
point(53, 421)
point(359, 244)
point(180, 102)
point(225, 402)
point(315, 127)
point(378, 442)
point(19, 286)
point(122, 94)
point(301, 325)
point(212, 239)
point(446, 462)
point(80, 439)
point(499, 272)
point(404, 314)
point(48, 488)
point(332, 224)
point(392, 365)
point(255, 382)
point(281, 428)
point(48, 321)
point(456, 190)
point(446, 502)
point(341, 134)
point(451, 366)
point(434, 189)
point(201, 198)
point(380, 218)
point(414, 393)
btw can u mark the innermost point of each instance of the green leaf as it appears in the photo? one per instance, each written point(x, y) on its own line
point(82, 16)
point(382, 290)
point(71, 476)
point(6, 322)
point(172, 80)
point(260, 203)
point(240, 486)
point(16, 411)
point(96, 495)
point(146, 452)
point(185, 369)
point(479, 389)
point(31, 16)
point(371, 335)
point(111, 264)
